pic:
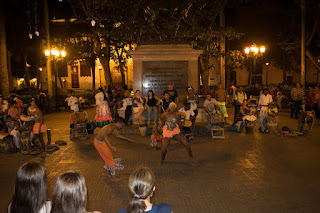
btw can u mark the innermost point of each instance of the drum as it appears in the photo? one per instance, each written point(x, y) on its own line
point(249, 125)
point(25, 142)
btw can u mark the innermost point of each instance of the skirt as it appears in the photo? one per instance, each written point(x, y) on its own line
point(103, 116)
point(36, 127)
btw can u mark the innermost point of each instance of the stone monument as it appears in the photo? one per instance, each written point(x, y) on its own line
point(154, 66)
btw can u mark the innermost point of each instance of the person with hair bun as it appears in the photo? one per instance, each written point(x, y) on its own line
point(70, 194)
point(30, 190)
point(142, 187)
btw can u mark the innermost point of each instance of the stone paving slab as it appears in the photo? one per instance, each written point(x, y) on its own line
point(243, 173)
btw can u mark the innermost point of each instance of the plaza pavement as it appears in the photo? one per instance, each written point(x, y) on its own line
point(243, 173)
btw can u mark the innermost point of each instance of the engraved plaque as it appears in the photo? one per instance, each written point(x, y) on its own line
point(157, 75)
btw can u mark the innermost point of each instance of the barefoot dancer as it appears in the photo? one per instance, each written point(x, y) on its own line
point(103, 145)
point(171, 130)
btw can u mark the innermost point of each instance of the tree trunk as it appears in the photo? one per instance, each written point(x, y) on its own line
point(222, 50)
point(123, 78)
point(303, 43)
point(93, 68)
point(4, 78)
point(26, 72)
point(10, 71)
point(105, 62)
point(205, 72)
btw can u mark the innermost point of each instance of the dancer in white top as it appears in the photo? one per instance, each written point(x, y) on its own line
point(264, 101)
point(73, 102)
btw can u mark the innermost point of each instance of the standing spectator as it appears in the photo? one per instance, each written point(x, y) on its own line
point(239, 97)
point(256, 91)
point(317, 101)
point(212, 92)
point(221, 97)
point(172, 92)
point(272, 91)
point(210, 104)
point(142, 187)
point(151, 104)
point(30, 190)
point(165, 102)
point(42, 101)
point(279, 99)
point(70, 194)
point(310, 99)
point(297, 95)
point(192, 98)
point(264, 100)
point(73, 102)
point(14, 111)
point(138, 106)
point(232, 93)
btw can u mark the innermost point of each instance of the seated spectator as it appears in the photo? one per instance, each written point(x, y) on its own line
point(70, 194)
point(14, 111)
point(190, 116)
point(30, 190)
point(151, 104)
point(142, 186)
point(138, 106)
point(14, 130)
point(164, 104)
point(19, 103)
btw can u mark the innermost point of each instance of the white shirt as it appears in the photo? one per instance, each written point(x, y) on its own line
point(73, 103)
point(240, 97)
point(264, 100)
point(188, 113)
point(210, 105)
point(5, 106)
point(99, 98)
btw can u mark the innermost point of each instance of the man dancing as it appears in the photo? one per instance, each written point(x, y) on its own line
point(103, 146)
point(171, 130)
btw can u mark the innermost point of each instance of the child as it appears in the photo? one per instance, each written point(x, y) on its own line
point(156, 136)
point(279, 100)
point(272, 117)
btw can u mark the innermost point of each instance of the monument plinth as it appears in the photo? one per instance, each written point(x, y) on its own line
point(154, 66)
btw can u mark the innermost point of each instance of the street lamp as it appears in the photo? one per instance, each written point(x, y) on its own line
point(55, 55)
point(254, 52)
point(267, 65)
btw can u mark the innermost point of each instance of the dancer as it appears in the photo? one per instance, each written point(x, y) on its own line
point(38, 129)
point(103, 146)
point(221, 97)
point(103, 116)
point(171, 130)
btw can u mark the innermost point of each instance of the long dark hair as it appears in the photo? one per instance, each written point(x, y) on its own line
point(141, 185)
point(151, 92)
point(104, 94)
point(30, 191)
point(69, 194)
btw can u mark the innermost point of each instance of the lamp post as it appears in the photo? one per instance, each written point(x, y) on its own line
point(40, 80)
point(254, 52)
point(267, 65)
point(55, 56)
